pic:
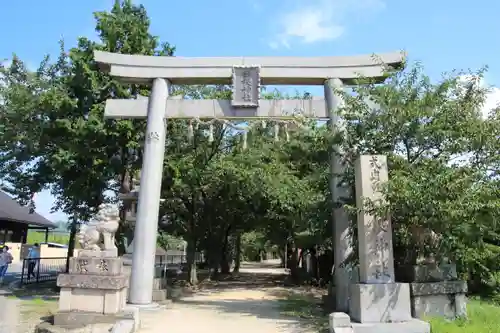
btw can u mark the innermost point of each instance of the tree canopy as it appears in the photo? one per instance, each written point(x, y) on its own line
point(231, 200)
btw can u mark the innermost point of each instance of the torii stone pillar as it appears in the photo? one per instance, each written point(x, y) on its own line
point(246, 74)
point(145, 232)
point(342, 242)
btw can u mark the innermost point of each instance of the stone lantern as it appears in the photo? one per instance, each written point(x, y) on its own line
point(130, 201)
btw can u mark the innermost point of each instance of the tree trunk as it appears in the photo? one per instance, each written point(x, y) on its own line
point(71, 243)
point(293, 264)
point(224, 262)
point(237, 258)
point(283, 257)
point(191, 263)
point(213, 257)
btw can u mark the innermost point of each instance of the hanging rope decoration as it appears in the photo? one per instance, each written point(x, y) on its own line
point(195, 123)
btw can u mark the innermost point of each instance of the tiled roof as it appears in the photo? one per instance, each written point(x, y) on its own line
point(11, 210)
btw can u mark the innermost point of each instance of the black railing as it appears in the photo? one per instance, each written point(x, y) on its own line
point(172, 265)
point(36, 270)
point(177, 259)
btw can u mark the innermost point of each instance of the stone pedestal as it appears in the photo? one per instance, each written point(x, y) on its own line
point(436, 292)
point(380, 303)
point(341, 323)
point(93, 291)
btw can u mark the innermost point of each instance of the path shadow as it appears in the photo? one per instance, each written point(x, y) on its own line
point(245, 280)
point(263, 295)
point(298, 312)
point(43, 291)
point(22, 309)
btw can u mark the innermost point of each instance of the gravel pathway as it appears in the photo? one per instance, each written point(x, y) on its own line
point(9, 314)
point(225, 310)
point(22, 316)
point(238, 310)
point(241, 310)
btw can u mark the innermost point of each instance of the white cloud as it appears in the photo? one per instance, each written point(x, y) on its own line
point(317, 20)
point(492, 100)
point(6, 62)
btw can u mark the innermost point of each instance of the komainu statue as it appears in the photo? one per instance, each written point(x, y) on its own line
point(105, 223)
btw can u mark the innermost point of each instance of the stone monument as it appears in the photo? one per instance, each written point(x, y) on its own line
point(377, 297)
point(94, 290)
point(377, 302)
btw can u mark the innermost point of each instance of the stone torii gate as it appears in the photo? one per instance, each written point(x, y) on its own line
point(246, 74)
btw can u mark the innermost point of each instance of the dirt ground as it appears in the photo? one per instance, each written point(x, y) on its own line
point(255, 300)
point(22, 310)
point(21, 315)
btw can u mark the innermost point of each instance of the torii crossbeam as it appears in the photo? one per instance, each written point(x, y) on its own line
point(246, 74)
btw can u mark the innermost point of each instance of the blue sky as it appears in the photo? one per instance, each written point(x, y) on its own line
point(443, 34)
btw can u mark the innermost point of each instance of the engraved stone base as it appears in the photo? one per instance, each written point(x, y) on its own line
point(380, 303)
point(97, 293)
point(96, 266)
point(87, 281)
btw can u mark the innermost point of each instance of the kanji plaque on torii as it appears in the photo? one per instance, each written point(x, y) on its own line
point(246, 86)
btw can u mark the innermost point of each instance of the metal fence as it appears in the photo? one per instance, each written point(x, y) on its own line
point(173, 264)
point(37, 270)
point(177, 259)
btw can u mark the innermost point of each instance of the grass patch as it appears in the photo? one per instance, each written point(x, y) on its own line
point(483, 317)
point(36, 310)
point(46, 291)
point(39, 237)
point(305, 306)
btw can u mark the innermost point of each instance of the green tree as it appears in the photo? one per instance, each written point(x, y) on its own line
point(441, 163)
point(54, 134)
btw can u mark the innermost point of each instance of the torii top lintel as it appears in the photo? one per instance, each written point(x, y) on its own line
point(273, 70)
